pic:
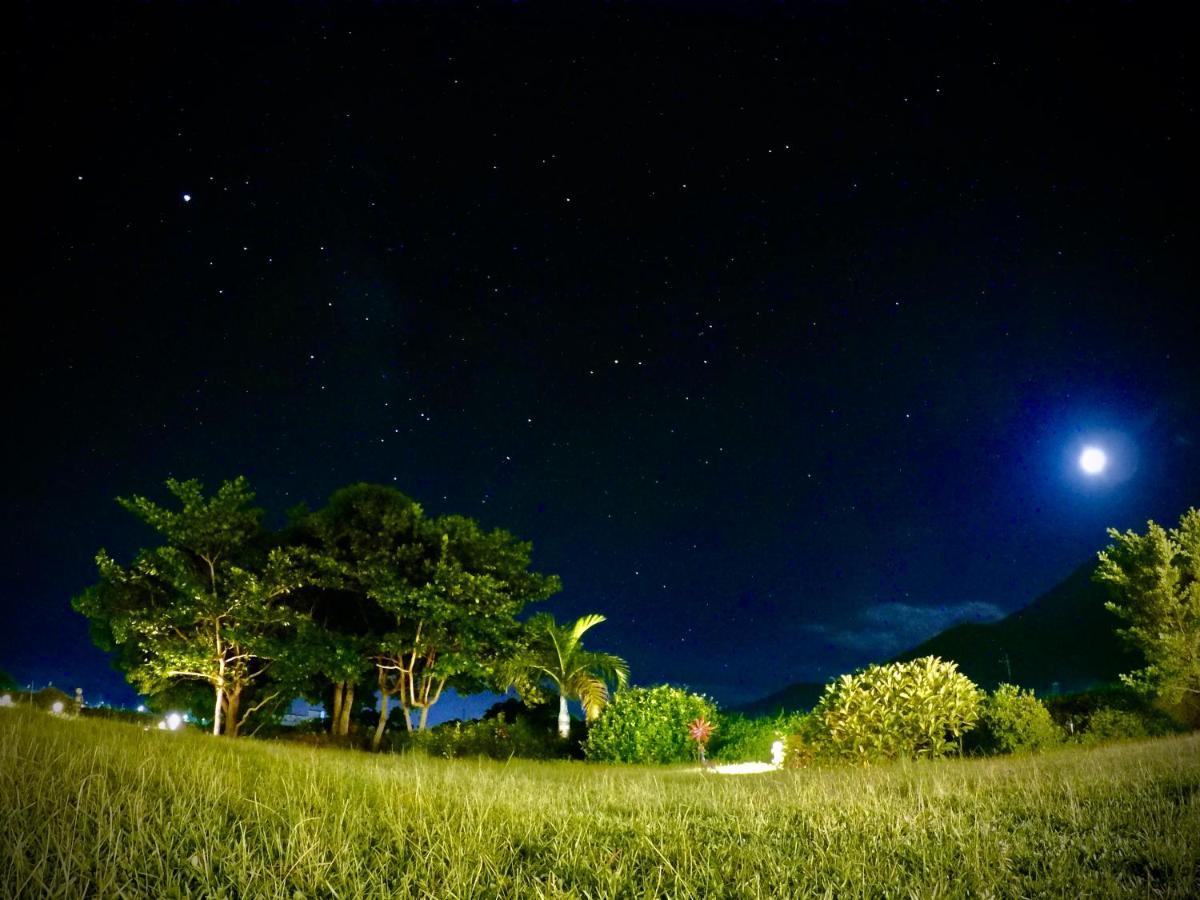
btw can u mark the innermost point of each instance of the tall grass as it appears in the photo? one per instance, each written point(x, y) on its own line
point(104, 809)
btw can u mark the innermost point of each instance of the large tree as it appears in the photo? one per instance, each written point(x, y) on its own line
point(553, 661)
point(1155, 579)
point(440, 595)
point(204, 606)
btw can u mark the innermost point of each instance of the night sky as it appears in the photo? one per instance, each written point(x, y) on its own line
point(777, 329)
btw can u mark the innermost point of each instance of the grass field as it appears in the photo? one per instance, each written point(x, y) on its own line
point(102, 809)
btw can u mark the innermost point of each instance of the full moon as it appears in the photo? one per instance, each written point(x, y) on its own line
point(1092, 460)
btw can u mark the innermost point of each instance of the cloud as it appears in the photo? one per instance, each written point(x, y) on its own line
point(885, 629)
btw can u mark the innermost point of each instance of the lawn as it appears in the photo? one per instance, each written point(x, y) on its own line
point(105, 809)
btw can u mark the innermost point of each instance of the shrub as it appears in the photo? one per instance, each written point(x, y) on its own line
point(742, 739)
point(1074, 713)
point(1014, 720)
point(647, 725)
point(805, 745)
point(920, 708)
point(1111, 724)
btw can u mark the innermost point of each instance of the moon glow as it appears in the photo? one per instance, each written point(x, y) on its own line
point(1092, 460)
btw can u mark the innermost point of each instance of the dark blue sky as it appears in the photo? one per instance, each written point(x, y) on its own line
point(776, 329)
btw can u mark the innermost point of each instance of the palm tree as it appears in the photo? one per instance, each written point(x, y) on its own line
point(555, 659)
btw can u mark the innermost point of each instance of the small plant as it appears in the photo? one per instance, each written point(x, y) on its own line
point(701, 730)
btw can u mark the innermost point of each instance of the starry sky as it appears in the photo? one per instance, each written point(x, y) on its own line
point(777, 328)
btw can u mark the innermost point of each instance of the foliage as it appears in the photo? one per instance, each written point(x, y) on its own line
point(203, 606)
point(806, 743)
point(7, 682)
point(910, 709)
point(1155, 581)
point(553, 662)
point(437, 599)
point(1014, 720)
point(1074, 712)
point(740, 738)
point(1111, 724)
point(494, 738)
point(100, 809)
point(647, 725)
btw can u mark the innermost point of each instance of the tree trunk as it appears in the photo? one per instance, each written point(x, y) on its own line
point(377, 739)
point(407, 719)
point(424, 716)
point(347, 708)
point(217, 708)
point(564, 718)
point(231, 712)
point(335, 711)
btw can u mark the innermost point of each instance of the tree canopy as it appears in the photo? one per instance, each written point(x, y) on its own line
point(1155, 580)
point(366, 592)
point(204, 605)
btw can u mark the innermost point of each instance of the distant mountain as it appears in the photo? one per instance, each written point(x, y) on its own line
point(799, 696)
point(1062, 642)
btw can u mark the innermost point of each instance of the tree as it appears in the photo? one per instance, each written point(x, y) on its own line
point(1155, 583)
point(554, 661)
point(437, 598)
point(203, 606)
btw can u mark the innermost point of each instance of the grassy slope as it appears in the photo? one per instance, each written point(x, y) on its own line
point(106, 809)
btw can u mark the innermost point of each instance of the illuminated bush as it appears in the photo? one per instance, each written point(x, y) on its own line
point(647, 725)
point(920, 708)
point(1014, 720)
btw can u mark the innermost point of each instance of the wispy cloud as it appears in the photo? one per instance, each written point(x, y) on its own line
point(884, 629)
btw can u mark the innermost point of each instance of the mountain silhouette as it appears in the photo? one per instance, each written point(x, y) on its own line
point(1064, 641)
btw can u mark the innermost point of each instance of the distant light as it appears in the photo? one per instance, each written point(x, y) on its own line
point(141, 708)
point(187, 198)
point(56, 707)
point(174, 720)
point(6, 700)
point(1092, 460)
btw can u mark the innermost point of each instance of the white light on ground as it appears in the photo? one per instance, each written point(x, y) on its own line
point(174, 720)
point(745, 768)
point(6, 700)
point(56, 707)
point(1092, 460)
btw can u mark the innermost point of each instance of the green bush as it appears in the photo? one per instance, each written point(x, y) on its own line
point(1111, 724)
point(648, 725)
point(920, 708)
point(1124, 710)
point(806, 744)
point(1014, 720)
point(742, 739)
